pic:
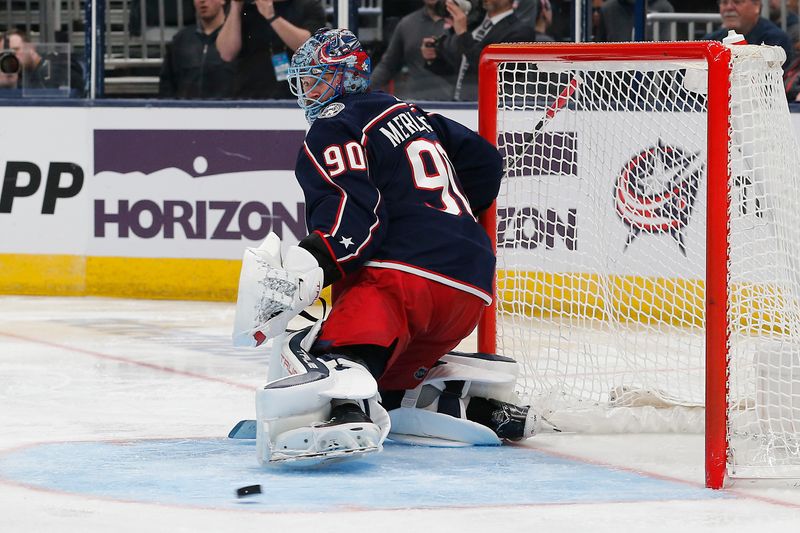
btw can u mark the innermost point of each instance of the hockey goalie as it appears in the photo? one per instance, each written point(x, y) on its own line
point(392, 194)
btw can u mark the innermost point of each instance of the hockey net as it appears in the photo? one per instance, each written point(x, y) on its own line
point(648, 229)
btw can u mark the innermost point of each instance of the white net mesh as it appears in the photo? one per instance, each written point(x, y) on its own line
point(601, 232)
point(764, 401)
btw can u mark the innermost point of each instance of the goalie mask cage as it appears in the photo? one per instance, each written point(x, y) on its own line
point(647, 234)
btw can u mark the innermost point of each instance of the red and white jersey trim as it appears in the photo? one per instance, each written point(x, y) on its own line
point(326, 177)
point(427, 274)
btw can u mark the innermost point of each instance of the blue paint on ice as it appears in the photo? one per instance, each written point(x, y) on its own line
point(207, 472)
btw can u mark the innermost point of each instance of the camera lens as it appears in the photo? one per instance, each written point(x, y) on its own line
point(9, 64)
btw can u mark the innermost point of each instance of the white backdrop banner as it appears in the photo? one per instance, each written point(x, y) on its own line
point(178, 182)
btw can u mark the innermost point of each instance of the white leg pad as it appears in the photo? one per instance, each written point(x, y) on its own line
point(419, 426)
point(490, 377)
point(290, 411)
point(418, 421)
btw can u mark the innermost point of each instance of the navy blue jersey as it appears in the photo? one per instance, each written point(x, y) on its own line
point(388, 185)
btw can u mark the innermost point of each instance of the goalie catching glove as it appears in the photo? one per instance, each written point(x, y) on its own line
point(273, 290)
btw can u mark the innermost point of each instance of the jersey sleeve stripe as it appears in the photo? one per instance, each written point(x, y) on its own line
point(342, 202)
point(380, 117)
point(372, 229)
point(427, 274)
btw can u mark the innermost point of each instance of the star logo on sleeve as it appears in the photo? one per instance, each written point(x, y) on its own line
point(347, 242)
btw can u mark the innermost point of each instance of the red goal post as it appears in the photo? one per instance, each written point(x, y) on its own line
point(634, 111)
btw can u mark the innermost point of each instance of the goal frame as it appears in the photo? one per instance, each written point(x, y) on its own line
point(718, 58)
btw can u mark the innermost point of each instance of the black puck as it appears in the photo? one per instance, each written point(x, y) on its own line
point(248, 491)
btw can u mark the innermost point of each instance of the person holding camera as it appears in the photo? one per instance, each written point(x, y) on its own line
point(261, 36)
point(458, 52)
point(403, 63)
point(42, 71)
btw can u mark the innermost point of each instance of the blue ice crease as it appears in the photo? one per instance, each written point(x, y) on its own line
point(207, 472)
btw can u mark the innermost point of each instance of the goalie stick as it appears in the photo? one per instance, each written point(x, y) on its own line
point(559, 103)
point(552, 110)
point(244, 429)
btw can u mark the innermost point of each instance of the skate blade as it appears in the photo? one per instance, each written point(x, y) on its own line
point(322, 458)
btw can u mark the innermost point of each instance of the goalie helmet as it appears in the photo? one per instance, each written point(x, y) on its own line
point(331, 60)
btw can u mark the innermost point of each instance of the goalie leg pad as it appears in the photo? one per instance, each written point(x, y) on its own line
point(430, 428)
point(439, 411)
point(294, 412)
point(489, 375)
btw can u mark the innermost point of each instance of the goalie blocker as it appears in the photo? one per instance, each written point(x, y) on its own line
point(328, 407)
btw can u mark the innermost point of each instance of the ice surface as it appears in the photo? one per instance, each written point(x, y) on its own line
point(114, 412)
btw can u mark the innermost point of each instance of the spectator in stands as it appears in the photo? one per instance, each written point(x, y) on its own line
point(527, 11)
point(543, 21)
point(744, 16)
point(260, 37)
point(791, 76)
point(597, 5)
point(458, 52)
point(44, 71)
point(192, 67)
point(402, 62)
point(616, 22)
point(791, 12)
point(792, 20)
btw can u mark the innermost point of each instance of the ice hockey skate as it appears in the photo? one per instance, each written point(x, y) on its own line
point(348, 434)
point(508, 421)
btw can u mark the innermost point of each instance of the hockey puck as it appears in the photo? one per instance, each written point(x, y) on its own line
point(241, 492)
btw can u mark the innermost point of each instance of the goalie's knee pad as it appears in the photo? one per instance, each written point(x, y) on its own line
point(292, 411)
point(465, 399)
